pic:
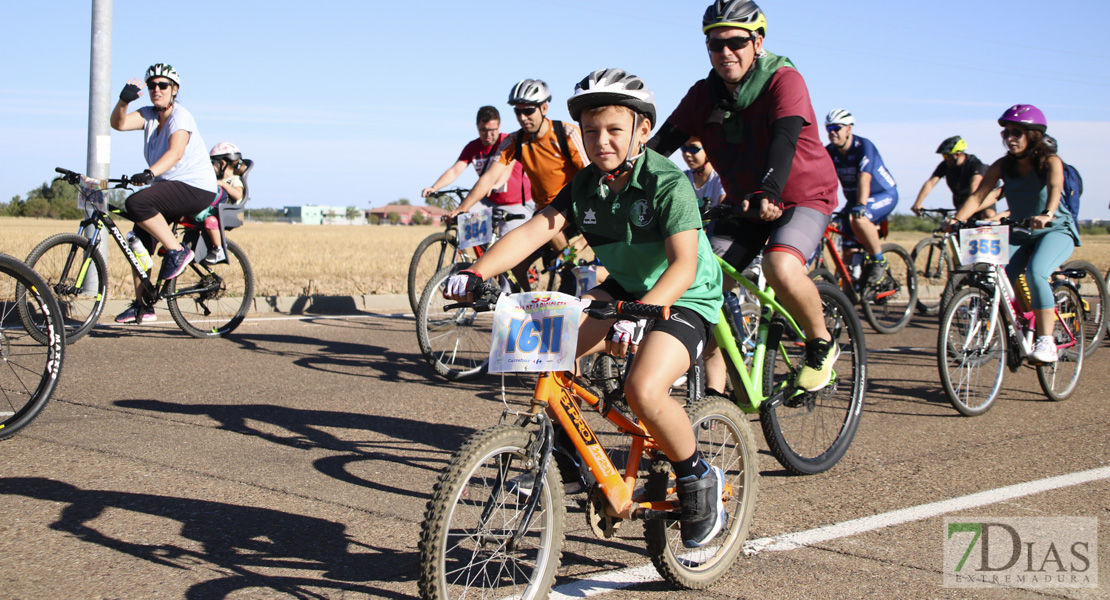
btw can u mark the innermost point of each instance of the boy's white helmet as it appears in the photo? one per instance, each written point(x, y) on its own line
point(608, 87)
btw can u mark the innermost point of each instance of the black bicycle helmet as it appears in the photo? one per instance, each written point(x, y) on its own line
point(734, 13)
point(952, 145)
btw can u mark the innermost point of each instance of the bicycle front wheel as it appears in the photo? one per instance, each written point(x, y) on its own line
point(971, 351)
point(1058, 379)
point(890, 305)
point(454, 341)
point(1092, 292)
point(725, 440)
point(29, 369)
point(810, 432)
point(477, 540)
point(212, 300)
point(77, 275)
point(932, 265)
point(434, 252)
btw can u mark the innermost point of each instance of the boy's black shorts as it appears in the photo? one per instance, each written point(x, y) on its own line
point(685, 325)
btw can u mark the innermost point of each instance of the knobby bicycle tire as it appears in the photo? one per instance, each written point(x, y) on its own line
point(217, 311)
point(725, 440)
point(463, 551)
point(810, 432)
point(971, 354)
point(421, 271)
point(932, 263)
point(1059, 379)
point(61, 261)
point(1092, 290)
point(455, 342)
point(29, 369)
point(889, 312)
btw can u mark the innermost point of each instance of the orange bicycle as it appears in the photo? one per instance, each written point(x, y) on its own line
point(485, 534)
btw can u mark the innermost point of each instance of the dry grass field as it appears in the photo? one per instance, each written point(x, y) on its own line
point(296, 260)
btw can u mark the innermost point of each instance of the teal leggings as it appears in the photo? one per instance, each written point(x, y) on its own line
point(1038, 259)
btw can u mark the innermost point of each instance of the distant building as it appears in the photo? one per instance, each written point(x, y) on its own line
point(322, 215)
point(432, 215)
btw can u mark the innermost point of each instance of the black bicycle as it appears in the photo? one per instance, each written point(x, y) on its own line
point(205, 300)
point(29, 368)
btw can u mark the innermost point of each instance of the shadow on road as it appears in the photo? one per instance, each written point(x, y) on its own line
point(409, 443)
point(239, 542)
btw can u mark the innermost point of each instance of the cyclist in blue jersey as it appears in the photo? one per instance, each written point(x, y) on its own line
point(868, 186)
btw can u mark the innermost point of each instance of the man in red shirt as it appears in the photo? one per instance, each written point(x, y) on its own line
point(512, 192)
point(756, 122)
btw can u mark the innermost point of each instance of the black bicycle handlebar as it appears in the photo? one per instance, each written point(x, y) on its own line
point(485, 299)
point(74, 178)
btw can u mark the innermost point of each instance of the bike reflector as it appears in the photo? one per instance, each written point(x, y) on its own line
point(989, 244)
point(534, 332)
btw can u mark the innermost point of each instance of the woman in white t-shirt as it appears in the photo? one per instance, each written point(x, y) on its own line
point(180, 176)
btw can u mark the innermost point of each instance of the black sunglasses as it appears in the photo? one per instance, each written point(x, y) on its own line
point(162, 85)
point(732, 43)
point(527, 110)
point(691, 149)
point(1014, 132)
point(833, 128)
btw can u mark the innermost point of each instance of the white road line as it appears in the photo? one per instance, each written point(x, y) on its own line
point(616, 580)
point(791, 541)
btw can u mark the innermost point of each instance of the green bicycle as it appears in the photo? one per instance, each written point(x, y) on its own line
point(808, 432)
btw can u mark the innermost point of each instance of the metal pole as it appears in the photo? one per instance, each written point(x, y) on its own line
point(99, 147)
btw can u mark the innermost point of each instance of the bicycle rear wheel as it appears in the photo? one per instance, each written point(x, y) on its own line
point(810, 432)
point(67, 262)
point(890, 305)
point(214, 299)
point(455, 342)
point(725, 440)
point(465, 548)
point(1092, 292)
point(971, 353)
point(432, 254)
point(1058, 379)
point(29, 369)
point(932, 265)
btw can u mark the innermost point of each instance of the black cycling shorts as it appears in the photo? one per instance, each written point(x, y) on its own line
point(684, 324)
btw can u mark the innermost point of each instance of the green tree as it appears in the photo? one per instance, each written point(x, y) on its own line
point(374, 219)
point(418, 218)
point(352, 213)
point(403, 202)
point(444, 201)
point(393, 218)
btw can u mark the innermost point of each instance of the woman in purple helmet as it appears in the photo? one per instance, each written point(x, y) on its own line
point(1033, 177)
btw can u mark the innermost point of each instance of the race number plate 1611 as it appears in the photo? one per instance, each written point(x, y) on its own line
point(534, 332)
point(985, 245)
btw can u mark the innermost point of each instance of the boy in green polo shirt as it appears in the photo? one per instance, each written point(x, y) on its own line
point(640, 215)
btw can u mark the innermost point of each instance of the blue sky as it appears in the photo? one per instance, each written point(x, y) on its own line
point(361, 103)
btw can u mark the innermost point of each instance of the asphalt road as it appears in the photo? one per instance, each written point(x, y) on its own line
point(294, 460)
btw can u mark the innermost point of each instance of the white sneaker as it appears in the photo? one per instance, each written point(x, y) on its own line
point(1044, 351)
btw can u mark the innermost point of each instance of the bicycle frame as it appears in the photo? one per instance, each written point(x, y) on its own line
point(150, 292)
point(557, 393)
point(768, 332)
point(1018, 321)
point(841, 268)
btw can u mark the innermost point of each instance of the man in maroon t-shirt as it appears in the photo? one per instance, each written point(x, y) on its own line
point(513, 193)
point(756, 122)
